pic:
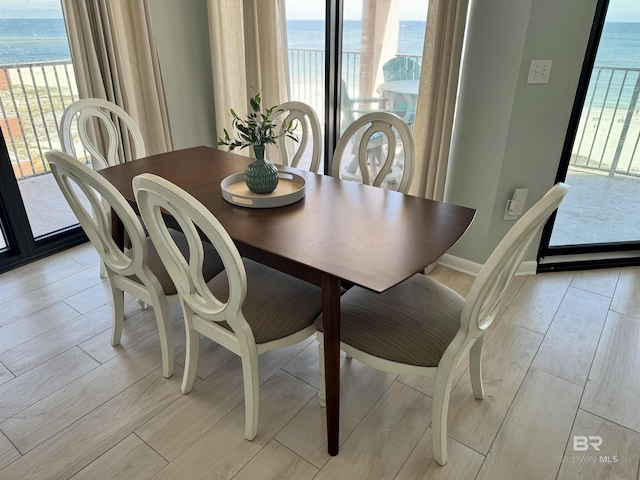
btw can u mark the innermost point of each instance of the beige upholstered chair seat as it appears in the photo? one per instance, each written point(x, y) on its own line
point(420, 327)
point(272, 295)
point(212, 262)
point(393, 324)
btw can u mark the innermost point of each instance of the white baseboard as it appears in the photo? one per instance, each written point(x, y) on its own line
point(473, 268)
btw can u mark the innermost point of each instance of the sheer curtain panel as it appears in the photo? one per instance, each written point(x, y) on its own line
point(438, 88)
point(248, 54)
point(115, 58)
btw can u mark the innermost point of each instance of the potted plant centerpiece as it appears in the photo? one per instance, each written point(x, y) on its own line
point(257, 130)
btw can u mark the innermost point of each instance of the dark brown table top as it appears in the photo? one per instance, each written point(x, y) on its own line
point(364, 235)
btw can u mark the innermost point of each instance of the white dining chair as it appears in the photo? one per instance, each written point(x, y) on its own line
point(93, 119)
point(423, 327)
point(248, 308)
point(105, 131)
point(138, 270)
point(307, 122)
point(367, 152)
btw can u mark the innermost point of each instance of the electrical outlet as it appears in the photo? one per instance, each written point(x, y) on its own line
point(515, 206)
point(539, 71)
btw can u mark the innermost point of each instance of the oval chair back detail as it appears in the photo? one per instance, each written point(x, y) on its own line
point(310, 125)
point(432, 327)
point(276, 311)
point(137, 271)
point(95, 119)
point(121, 130)
point(372, 134)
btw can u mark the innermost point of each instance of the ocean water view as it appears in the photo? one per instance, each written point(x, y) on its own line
point(44, 39)
point(39, 40)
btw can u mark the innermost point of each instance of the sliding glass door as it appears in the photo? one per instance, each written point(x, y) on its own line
point(601, 162)
point(36, 83)
point(371, 48)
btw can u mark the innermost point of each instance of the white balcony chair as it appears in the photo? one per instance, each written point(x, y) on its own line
point(248, 308)
point(374, 136)
point(138, 271)
point(422, 327)
point(310, 125)
point(95, 118)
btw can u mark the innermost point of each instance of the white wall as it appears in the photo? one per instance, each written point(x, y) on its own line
point(509, 134)
point(182, 37)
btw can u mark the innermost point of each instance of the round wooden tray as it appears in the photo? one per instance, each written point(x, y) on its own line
point(290, 189)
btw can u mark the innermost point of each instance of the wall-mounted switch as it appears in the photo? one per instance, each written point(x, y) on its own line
point(539, 71)
point(515, 206)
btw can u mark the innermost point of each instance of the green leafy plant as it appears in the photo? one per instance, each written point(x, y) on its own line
point(258, 128)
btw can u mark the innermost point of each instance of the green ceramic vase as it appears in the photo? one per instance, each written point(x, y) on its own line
point(261, 176)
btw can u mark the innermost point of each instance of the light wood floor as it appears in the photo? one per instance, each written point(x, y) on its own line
point(561, 370)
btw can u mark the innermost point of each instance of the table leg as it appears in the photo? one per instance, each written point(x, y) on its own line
point(331, 325)
point(117, 229)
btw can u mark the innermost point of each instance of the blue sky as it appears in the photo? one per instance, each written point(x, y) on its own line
point(619, 10)
point(30, 9)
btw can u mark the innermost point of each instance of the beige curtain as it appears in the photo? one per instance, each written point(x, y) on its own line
point(115, 58)
point(438, 88)
point(248, 54)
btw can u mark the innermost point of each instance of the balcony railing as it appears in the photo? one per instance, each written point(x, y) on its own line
point(609, 128)
point(33, 96)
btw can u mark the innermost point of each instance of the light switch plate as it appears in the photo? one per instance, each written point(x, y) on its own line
point(539, 71)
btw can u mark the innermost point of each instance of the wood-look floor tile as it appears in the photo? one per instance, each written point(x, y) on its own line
point(90, 298)
point(72, 449)
point(570, 343)
point(426, 384)
point(47, 295)
point(45, 418)
point(535, 431)
point(613, 389)
point(385, 438)
point(456, 281)
point(463, 463)
point(305, 365)
point(130, 459)
point(626, 299)
point(50, 344)
point(36, 323)
point(537, 301)
point(34, 276)
point(5, 374)
point(139, 325)
point(277, 462)
point(507, 355)
point(8, 453)
point(602, 281)
point(85, 255)
point(193, 414)
point(31, 387)
point(360, 388)
point(222, 451)
point(617, 457)
point(212, 357)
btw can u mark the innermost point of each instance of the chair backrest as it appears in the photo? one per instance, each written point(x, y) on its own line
point(401, 68)
point(308, 122)
point(482, 303)
point(83, 189)
point(122, 132)
point(371, 133)
point(156, 196)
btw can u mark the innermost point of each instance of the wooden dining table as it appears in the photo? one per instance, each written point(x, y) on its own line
point(340, 233)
